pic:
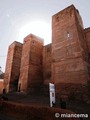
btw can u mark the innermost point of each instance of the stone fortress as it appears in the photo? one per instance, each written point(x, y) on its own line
point(65, 62)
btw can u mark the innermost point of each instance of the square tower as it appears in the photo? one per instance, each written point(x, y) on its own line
point(12, 70)
point(69, 49)
point(31, 63)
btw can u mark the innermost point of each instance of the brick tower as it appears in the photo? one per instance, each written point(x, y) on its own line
point(13, 67)
point(69, 49)
point(47, 61)
point(31, 63)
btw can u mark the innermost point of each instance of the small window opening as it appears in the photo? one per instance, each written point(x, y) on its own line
point(68, 34)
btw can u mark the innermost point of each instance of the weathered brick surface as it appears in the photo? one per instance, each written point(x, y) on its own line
point(31, 62)
point(47, 61)
point(65, 38)
point(70, 71)
point(13, 66)
point(1, 86)
point(87, 35)
point(69, 49)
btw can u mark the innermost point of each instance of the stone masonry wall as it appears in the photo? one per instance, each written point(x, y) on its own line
point(87, 36)
point(69, 49)
point(31, 63)
point(13, 66)
point(1, 86)
point(47, 61)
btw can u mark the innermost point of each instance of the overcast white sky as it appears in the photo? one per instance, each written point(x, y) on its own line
point(14, 14)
